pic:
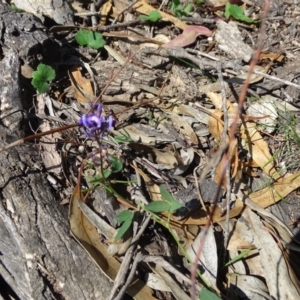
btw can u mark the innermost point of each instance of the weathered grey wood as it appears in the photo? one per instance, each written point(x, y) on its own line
point(38, 257)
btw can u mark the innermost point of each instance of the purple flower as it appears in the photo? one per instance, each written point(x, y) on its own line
point(94, 124)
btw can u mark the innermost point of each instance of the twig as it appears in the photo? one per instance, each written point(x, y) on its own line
point(226, 159)
point(204, 64)
point(119, 25)
point(36, 136)
point(198, 20)
point(126, 8)
point(168, 267)
point(93, 17)
point(126, 262)
point(139, 257)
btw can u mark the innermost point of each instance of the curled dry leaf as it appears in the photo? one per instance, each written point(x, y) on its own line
point(188, 36)
point(184, 128)
point(108, 231)
point(209, 256)
point(266, 109)
point(258, 149)
point(275, 268)
point(82, 86)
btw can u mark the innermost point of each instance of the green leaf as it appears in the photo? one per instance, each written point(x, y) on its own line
point(188, 8)
point(154, 16)
point(205, 294)
point(116, 164)
point(238, 257)
point(81, 37)
point(122, 139)
point(165, 194)
point(125, 215)
point(41, 76)
point(89, 38)
point(237, 13)
point(174, 206)
point(122, 230)
point(95, 40)
point(158, 206)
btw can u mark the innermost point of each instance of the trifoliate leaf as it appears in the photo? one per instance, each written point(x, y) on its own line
point(205, 294)
point(158, 206)
point(125, 215)
point(122, 230)
point(174, 206)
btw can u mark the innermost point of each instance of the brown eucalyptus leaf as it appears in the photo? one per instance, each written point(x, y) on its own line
point(87, 236)
point(188, 36)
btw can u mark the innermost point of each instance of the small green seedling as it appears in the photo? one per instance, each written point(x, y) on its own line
point(235, 11)
point(41, 78)
point(90, 38)
point(169, 204)
point(126, 217)
point(154, 16)
point(178, 10)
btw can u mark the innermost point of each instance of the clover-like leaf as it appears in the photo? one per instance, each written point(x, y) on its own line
point(81, 37)
point(90, 38)
point(174, 206)
point(95, 40)
point(158, 206)
point(125, 216)
point(41, 77)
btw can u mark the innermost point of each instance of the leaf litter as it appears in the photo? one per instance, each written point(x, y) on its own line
point(173, 116)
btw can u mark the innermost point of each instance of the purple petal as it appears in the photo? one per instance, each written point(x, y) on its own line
point(94, 121)
point(98, 109)
point(110, 123)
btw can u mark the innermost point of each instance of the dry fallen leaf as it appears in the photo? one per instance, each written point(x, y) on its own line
point(82, 86)
point(264, 198)
point(258, 149)
point(144, 8)
point(87, 236)
point(188, 36)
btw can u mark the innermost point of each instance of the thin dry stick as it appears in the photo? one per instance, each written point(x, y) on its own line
point(125, 9)
point(225, 157)
point(139, 257)
point(199, 191)
point(233, 131)
point(204, 64)
point(127, 259)
point(168, 267)
point(36, 136)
